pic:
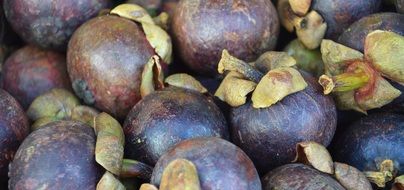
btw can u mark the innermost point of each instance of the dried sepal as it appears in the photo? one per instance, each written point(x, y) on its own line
point(384, 175)
point(42, 122)
point(180, 174)
point(234, 89)
point(385, 50)
point(335, 56)
point(184, 80)
point(148, 186)
point(230, 63)
point(277, 84)
point(133, 12)
point(109, 182)
point(152, 76)
point(350, 177)
point(300, 7)
point(109, 147)
point(398, 183)
point(310, 29)
point(84, 114)
point(315, 155)
point(286, 15)
point(346, 101)
point(159, 40)
point(162, 20)
point(272, 60)
point(133, 168)
point(57, 103)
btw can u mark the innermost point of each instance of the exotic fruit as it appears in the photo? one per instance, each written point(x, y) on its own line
point(106, 56)
point(30, 72)
point(14, 127)
point(286, 107)
point(354, 36)
point(374, 145)
point(57, 156)
point(202, 29)
point(166, 117)
point(219, 164)
point(50, 23)
point(359, 81)
point(314, 20)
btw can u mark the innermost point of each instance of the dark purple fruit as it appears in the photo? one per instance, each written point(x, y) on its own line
point(50, 23)
point(354, 36)
point(371, 140)
point(60, 155)
point(105, 59)
point(220, 164)
point(202, 29)
point(269, 135)
point(30, 72)
point(14, 127)
point(297, 177)
point(167, 117)
point(340, 14)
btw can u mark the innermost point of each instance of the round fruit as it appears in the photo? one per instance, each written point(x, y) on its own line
point(354, 36)
point(30, 72)
point(202, 29)
point(60, 155)
point(220, 164)
point(14, 127)
point(105, 59)
point(269, 135)
point(50, 23)
point(299, 176)
point(167, 117)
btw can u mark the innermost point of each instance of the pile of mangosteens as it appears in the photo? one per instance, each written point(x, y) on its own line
point(202, 95)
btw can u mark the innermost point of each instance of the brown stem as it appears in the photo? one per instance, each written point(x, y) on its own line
point(344, 82)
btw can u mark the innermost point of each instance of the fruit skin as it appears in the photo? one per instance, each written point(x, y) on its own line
point(31, 71)
point(105, 59)
point(269, 135)
point(167, 117)
point(220, 164)
point(365, 143)
point(299, 176)
point(340, 14)
point(202, 29)
point(14, 127)
point(355, 35)
point(50, 23)
point(60, 155)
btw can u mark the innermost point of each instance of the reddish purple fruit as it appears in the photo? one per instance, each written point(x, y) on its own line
point(50, 23)
point(164, 118)
point(220, 164)
point(202, 29)
point(61, 155)
point(269, 135)
point(14, 127)
point(30, 72)
point(105, 59)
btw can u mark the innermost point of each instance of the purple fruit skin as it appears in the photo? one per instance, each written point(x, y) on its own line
point(220, 164)
point(30, 71)
point(14, 127)
point(167, 117)
point(50, 23)
point(269, 136)
point(61, 155)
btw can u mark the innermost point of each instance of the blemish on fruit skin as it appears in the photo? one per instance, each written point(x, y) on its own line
point(81, 89)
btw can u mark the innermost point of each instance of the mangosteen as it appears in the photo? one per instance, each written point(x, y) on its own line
point(354, 36)
point(299, 176)
point(106, 56)
point(314, 20)
point(374, 144)
point(202, 29)
point(50, 24)
point(31, 71)
point(220, 164)
point(57, 156)
point(166, 117)
point(14, 127)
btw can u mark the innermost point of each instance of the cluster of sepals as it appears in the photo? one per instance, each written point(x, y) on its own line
point(357, 80)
